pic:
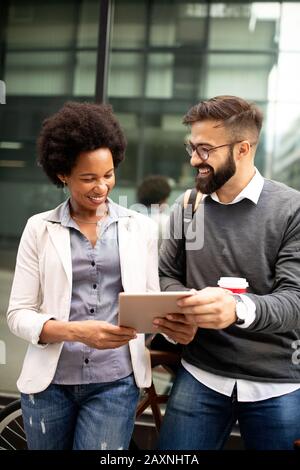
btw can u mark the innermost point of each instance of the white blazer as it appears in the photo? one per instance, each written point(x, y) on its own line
point(42, 289)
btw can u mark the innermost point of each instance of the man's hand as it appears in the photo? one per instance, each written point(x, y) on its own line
point(212, 307)
point(176, 327)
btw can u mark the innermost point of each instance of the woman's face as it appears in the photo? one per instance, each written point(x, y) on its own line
point(91, 180)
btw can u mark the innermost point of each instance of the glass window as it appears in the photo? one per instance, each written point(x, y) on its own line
point(285, 132)
point(127, 172)
point(289, 27)
point(34, 24)
point(289, 77)
point(285, 158)
point(162, 30)
point(51, 67)
point(177, 24)
point(164, 150)
point(38, 83)
point(129, 28)
point(245, 75)
point(45, 48)
point(178, 75)
point(160, 76)
point(87, 35)
point(245, 26)
point(126, 74)
point(84, 74)
point(39, 73)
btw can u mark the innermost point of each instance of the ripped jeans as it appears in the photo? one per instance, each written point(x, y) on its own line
point(91, 416)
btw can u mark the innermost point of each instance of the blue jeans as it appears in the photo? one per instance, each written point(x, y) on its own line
point(198, 418)
point(93, 416)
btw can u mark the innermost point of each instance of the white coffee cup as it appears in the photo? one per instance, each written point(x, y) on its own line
point(237, 285)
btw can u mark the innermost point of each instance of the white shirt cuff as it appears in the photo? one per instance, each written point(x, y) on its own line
point(169, 339)
point(250, 313)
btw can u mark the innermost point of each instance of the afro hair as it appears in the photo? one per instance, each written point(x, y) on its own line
point(76, 128)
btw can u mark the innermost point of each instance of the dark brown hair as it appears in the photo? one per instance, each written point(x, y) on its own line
point(238, 116)
point(76, 128)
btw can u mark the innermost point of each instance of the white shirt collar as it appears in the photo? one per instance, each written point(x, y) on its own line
point(252, 191)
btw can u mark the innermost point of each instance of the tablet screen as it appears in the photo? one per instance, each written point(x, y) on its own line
point(139, 310)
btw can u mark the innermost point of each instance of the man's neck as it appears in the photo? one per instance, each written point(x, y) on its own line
point(235, 185)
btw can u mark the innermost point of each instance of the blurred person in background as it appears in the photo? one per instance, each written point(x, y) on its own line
point(153, 193)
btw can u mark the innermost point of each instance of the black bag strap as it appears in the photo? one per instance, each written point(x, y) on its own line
point(189, 208)
point(191, 201)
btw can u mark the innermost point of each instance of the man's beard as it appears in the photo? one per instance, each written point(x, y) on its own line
point(215, 180)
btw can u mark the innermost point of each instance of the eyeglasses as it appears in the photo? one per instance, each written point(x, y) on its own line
point(203, 152)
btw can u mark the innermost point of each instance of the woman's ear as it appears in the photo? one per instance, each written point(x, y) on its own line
point(62, 179)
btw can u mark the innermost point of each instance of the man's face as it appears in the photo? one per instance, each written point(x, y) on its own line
point(213, 173)
point(209, 180)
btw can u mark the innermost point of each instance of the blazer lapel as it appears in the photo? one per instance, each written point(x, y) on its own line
point(132, 256)
point(125, 241)
point(60, 237)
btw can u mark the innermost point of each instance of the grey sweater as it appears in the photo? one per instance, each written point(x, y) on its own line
point(258, 242)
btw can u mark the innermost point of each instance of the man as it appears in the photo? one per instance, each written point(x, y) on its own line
point(243, 363)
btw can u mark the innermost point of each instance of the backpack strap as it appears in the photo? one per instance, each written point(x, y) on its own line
point(191, 201)
point(192, 197)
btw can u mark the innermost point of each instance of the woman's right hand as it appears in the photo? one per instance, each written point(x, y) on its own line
point(93, 333)
point(101, 335)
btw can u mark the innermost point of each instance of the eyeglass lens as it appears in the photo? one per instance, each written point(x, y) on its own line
point(202, 153)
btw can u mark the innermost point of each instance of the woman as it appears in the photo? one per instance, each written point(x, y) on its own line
point(81, 373)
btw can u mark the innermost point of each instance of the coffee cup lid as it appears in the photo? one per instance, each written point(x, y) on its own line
point(233, 282)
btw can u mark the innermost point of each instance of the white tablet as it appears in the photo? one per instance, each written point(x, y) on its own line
point(139, 310)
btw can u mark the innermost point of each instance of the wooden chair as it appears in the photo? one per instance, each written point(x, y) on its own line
point(169, 361)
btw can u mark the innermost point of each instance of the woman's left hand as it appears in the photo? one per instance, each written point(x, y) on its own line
point(177, 327)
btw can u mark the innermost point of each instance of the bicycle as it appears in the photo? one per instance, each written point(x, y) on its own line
point(12, 434)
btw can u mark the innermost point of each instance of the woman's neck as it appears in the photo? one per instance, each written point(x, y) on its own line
point(86, 214)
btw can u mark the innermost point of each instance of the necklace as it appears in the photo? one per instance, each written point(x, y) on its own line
point(83, 221)
point(93, 223)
